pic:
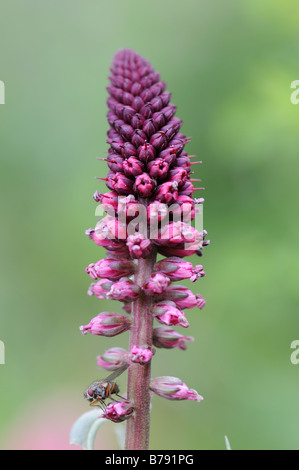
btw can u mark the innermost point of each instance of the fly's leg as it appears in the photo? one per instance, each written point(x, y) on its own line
point(99, 403)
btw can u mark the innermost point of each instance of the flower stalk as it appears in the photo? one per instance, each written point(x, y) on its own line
point(139, 375)
point(149, 208)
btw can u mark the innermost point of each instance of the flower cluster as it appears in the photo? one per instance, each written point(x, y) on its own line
point(149, 208)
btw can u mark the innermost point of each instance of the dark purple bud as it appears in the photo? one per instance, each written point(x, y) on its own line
point(128, 150)
point(137, 121)
point(126, 131)
point(127, 98)
point(150, 127)
point(187, 189)
point(138, 104)
point(169, 155)
point(138, 138)
point(136, 88)
point(159, 140)
point(167, 192)
point(158, 169)
point(169, 111)
point(146, 153)
point(178, 174)
point(115, 162)
point(147, 110)
point(127, 113)
point(121, 184)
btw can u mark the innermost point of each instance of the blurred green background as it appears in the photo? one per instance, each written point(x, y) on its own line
point(229, 66)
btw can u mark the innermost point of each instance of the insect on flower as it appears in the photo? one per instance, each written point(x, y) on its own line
point(100, 390)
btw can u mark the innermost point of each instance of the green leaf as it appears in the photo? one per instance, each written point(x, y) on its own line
point(84, 430)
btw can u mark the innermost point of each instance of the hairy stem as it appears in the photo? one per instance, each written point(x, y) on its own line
point(137, 436)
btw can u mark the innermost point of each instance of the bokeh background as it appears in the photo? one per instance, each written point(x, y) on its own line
point(229, 66)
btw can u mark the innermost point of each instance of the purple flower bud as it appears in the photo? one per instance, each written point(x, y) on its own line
point(139, 246)
point(118, 411)
point(187, 189)
point(167, 192)
point(158, 169)
point(113, 359)
point(178, 174)
point(124, 290)
point(167, 313)
point(149, 127)
point(115, 162)
point(167, 338)
point(133, 167)
point(138, 138)
point(111, 268)
point(121, 184)
point(157, 284)
point(107, 324)
point(146, 153)
point(159, 140)
point(144, 185)
point(128, 150)
point(177, 269)
point(168, 155)
point(141, 355)
point(173, 388)
point(137, 121)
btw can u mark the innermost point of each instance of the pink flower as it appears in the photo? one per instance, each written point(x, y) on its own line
point(177, 233)
point(167, 192)
point(107, 324)
point(144, 185)
point(173, 388)
point(177, 269)
point(156, 284)
point(183, 297)
point(167, 313)
point(141, 355)
point(124, 290)
point(165, 337)
point(100, 289)
point(139, 246)
point(111, 268)
point(118, 411)
point(133, 167)
point(156, 211)
point(113, 359)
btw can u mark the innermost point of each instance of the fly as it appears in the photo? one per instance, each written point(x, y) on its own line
point(100, 390)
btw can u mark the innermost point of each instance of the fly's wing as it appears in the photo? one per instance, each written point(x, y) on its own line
point(116, 373)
